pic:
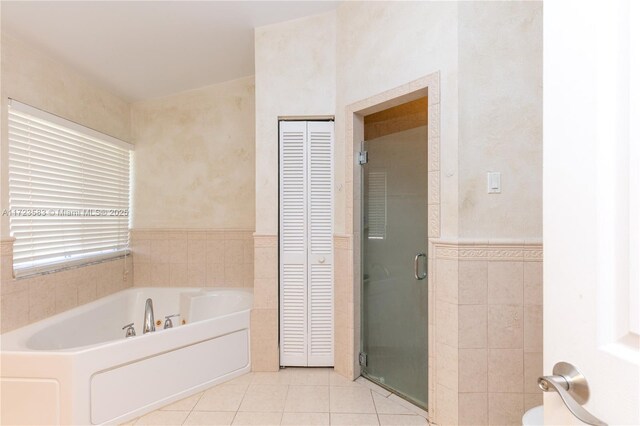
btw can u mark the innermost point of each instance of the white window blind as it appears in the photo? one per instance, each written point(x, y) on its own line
point(68, 191)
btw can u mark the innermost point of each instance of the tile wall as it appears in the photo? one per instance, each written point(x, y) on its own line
point(202, 258)
point(489, 331)
point(30, 299)
point(192, 258)
point(264, 315)
point(344, 305)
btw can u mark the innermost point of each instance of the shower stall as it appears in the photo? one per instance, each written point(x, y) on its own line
point(394, 246)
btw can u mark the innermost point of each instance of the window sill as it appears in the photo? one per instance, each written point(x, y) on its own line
point(50, 268)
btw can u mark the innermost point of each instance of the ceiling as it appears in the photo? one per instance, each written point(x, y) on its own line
point(148, 49)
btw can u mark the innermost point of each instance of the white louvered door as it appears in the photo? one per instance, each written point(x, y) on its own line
point(306, 243)
point(293, 243)
point(320, 238)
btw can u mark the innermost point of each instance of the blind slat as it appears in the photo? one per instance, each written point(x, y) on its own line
point(31, 139)
point(19, 125)
point(41, 156)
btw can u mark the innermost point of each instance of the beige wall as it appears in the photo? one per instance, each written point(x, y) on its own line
point(490, 117)
point(382, 45)
point(500, 118)
point(295, 75)
point(34, 78)
point(195, 159)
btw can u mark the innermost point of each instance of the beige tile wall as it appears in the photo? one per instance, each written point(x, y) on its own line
point(30, 299)
point(344, 306)
point(192, 258)
point(443, 339)
point(489, 331)
point(264, 316)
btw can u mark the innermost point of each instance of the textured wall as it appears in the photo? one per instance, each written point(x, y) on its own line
point(382, 45)
point(295, 75)
point(500, 118)
point(195, 159)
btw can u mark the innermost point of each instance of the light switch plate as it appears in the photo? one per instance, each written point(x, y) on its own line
point(494, 184)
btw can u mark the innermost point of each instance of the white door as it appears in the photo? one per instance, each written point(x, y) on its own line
point(320, 249)
point(306, 243)
point(591, 204)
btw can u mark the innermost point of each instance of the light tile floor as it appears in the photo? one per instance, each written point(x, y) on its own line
point(292, 396)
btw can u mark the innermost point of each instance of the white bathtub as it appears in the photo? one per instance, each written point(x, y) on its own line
point(78, 368)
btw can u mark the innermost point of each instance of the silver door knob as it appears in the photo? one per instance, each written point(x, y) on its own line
point(573, 389)
point(321, 260)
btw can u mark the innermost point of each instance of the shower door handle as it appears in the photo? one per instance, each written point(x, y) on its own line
point(416, 268)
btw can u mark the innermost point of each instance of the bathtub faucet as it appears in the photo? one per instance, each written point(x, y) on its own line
point(149, 321)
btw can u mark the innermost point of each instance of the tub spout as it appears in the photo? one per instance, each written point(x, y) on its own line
point(149, 320)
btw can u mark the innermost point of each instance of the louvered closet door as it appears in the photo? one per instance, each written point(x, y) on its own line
point(306, 248)
point(293, 243)
point(320, 220)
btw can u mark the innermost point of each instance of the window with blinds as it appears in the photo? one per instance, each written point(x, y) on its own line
point(68, 192)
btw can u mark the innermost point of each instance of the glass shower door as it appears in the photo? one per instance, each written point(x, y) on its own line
point(394, 243)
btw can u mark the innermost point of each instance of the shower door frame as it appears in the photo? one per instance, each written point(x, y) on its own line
point(348, 280)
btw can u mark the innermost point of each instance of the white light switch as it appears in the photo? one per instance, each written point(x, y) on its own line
point(493, 183)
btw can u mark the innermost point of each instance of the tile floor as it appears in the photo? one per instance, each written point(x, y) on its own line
point(292, 396)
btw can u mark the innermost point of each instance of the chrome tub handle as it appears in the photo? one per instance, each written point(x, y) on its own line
point(416, 271)
point(130, 331)
point(167, 320)
point(573, 389)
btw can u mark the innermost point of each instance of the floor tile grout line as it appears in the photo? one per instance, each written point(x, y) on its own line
point(194, 406)
point(327, 384)
point(329, 399)
point(375, 407)
point(241, 400)
point(285, 403)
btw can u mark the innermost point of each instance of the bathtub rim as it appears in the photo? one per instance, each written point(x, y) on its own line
point(18, 338)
